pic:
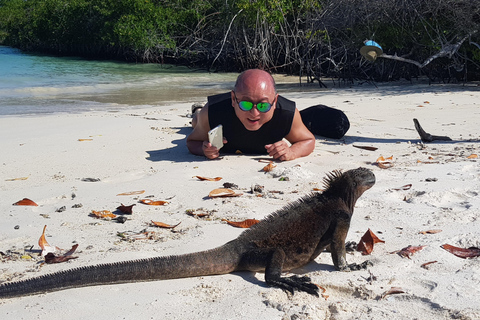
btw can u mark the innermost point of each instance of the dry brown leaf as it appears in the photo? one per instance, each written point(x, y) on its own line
point(472, 156)
point(384, 163)
point(369, 148)
point(242, 224)
point(153, 203)
point(164, 225)
point(463, 253)
point(131, 193)
point(405, 187)
point(408, 251)
point(269, 167)
point(426, 264)
point(103, 214)
point(208, 179)
point(223, 192)
point(25, 202)
point(393, 290)
point(433, 231)
point(52, 258)
point(126, 209)
point(365, 245)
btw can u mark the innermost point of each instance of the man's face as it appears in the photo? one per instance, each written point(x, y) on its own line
point(254, 91)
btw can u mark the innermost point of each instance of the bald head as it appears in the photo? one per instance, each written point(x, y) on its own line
point(255, 79)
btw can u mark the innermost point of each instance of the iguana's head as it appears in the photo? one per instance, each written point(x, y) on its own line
point(350, 184)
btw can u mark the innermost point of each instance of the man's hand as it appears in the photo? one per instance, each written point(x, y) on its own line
point(280, 151)
point(210, 151)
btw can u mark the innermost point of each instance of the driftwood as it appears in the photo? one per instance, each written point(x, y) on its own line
point(427, 137)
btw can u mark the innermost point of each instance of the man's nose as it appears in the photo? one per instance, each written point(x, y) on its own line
point(254, 111)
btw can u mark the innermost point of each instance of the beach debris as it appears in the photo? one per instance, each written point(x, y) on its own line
point(405, 187)
point(126, 209)
point(426, 265)
point(77, 205)
point(199, 213)
point(393, 290)
point(131, 193)
point(121, 219)
point(103, 214)
point(48, 251)
point(223, 192)
point(427, 137)
point(208, 179)
point(408, 251)
point(384, 163)
point(153, 203)
point(90, 179)
point(472, 156)
point(164, 225)
point(365, 246)
point(25, 202)
point(369, 148)
point(431, 180)
point(52, 258)
point(463, 253)
point(140, 235)
point(230, 185)
point(61, 209)
point(17, 179)
point(269, 167)
point(43, 244)
point(324, 296)
point(85, 139)
point(242, 224)
point(256, 188)
point(433, 231)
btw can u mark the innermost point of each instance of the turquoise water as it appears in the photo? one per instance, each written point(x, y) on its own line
point(36, 84)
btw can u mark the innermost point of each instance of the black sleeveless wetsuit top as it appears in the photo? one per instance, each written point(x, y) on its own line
point(220, 111)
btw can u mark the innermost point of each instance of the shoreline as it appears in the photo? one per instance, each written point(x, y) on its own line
point(144, 149)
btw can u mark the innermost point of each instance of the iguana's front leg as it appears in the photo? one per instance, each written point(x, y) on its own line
point(272, 259)
point(337, 245)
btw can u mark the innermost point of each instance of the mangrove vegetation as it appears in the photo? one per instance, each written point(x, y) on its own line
point(314, 39)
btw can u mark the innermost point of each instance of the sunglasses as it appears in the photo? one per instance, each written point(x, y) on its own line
point(248, 105)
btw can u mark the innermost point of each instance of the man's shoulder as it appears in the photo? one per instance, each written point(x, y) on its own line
point(286, 104)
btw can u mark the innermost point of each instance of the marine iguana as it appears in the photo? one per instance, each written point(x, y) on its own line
point(287, 239)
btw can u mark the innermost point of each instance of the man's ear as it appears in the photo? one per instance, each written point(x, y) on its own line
point(232, 95)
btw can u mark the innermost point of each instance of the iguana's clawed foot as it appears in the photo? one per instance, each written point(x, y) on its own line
point(293, 283)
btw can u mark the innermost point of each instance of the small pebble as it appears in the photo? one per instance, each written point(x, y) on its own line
point(61, 209)
point(121, 219)
point(16, 227)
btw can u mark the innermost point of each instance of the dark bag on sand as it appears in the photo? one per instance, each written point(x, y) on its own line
point(325, 121)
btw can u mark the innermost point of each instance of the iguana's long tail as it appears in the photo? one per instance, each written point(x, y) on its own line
point(216, 261)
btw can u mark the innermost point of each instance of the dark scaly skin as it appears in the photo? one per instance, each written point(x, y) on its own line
point(287, 239)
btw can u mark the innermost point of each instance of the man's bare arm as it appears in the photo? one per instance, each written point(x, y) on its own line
point(197, 141)
point(301, 139)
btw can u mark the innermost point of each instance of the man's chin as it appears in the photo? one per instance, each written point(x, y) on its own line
point(252, 125)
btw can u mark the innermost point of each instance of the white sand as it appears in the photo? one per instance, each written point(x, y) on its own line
point(145, 150)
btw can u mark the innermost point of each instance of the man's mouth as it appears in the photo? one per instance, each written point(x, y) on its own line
point(253, 120)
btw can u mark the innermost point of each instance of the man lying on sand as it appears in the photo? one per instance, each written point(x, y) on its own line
point(260, 120)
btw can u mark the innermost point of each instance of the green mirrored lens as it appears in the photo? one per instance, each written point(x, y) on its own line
point(245, 105)
point(263, 106)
